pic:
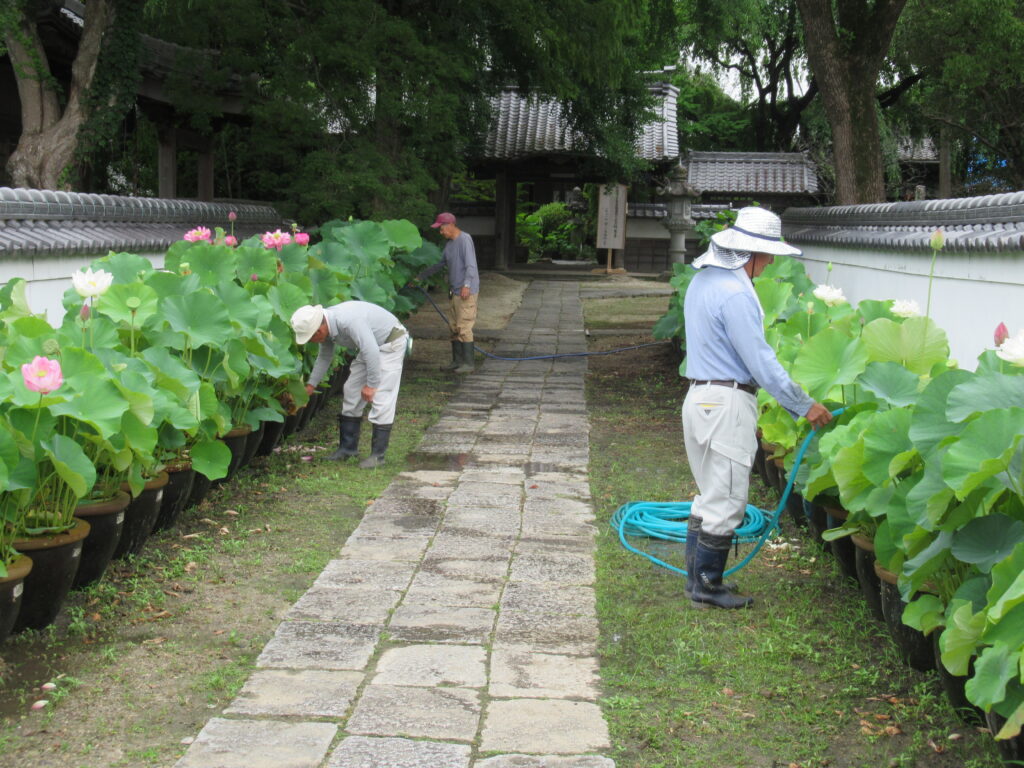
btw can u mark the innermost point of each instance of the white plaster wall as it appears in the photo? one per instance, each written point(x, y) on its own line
point(49, 277)
point(971, 292)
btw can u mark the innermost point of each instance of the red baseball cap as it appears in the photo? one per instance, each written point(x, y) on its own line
point(442, 219)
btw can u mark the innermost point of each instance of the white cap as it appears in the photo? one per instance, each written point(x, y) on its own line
point(756, 230)
point(306, 321)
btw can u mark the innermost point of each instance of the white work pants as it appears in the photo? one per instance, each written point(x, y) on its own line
point(719, 430)
point(382, 409)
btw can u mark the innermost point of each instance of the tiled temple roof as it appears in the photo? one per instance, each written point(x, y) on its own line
point(40, 222)
point(528, 126)
point(752, 172)
point(987, 223)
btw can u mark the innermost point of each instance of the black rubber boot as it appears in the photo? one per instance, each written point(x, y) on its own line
point(709, 564)
point(378, 446)
point(468, 362)
point(456, 357)
point(348, 441)
point(692, 534)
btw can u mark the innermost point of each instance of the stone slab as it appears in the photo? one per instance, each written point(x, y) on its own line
point(369, 752)
point(433, 665)
point(547, 632)
point(258, 744)
point(352, 605)
point(367, 573)
point(519, 674)
point(458, 568)
point(537, 544)
point(550, 569)
point(400, 548)
point(541, 598)
point(433, 589)
point(499, 495)
point(396, 526)
point(319, 645)
point(496, 548)
point(432, 713)
point(442, 624)
point(545, 761)
point(544, 726)
point(297, 693)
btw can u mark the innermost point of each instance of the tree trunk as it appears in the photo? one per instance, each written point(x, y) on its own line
point(845, 57)
point(49, 137)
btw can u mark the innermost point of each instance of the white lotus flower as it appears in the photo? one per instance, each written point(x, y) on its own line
point(833, 297)
point(1012, 350)
point(906, 308)
point(89, 283)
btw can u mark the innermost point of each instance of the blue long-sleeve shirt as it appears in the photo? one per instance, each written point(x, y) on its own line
point(725, 338)
point(460, 259)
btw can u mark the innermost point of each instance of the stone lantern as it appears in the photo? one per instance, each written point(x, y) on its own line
point(680, 194)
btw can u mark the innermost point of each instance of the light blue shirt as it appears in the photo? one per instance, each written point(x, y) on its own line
point(725, 338)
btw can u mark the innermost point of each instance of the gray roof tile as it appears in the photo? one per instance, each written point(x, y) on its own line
point(986, 223)
point(752, 172)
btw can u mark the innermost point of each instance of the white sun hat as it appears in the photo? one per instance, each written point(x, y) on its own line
point(305, 322)
point(756, 230)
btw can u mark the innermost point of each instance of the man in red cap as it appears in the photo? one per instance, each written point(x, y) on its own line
point(459, 259)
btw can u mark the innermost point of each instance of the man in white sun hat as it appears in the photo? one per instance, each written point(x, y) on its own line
point(727, 359)
point(374, 376)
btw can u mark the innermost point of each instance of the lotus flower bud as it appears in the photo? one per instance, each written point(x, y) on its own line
point(232, 216)
point(230, 240)
point(938, 239)
point(84, 312)
point(302, 238)
point(1001, 334)
point(254, 277)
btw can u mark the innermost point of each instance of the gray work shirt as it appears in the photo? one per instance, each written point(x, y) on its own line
point(459, 258)
point(355, 325)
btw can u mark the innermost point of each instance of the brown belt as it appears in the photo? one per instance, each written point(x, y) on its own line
point(751, 388)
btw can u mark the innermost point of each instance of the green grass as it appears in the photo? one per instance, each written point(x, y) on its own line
point(640, 312)
point(806, 678)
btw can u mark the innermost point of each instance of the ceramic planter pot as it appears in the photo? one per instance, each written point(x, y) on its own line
point(843, 549)
point(252, 444)
point(106, 521)
point(140, 517)
point(235, 440)
point(180, 478)
point(914, 647)
point(12, 587)
point(864, 562)
point(55, 559)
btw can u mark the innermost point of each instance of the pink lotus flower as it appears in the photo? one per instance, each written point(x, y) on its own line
point(302, 238)
point(1002, 334)
point(232, 216)
point(276, 239)
point(254, 277)
point(199, 233)
point(230, 240)
point(42, 375)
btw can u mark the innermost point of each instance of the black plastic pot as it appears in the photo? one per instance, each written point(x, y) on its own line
point(1011, 750)
point(176, 495)
point(140, 517)
point(954, 686)
point(252, 444)
point(306, 414)
point(106, 521)
point(842, 549)
point(55, 559)
point(235, 440)
point(914, 647)
point(864, 562)
point(273, 431)
point(12, 586)
point(817, 520)
point(201, 486)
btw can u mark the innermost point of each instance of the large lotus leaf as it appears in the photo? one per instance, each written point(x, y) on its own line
point(236, 364)
point(366, 243)
point(829, 360)
point(272, 356)
point(285, 298)
point(256, 261)
point(917, 343)
point(1007, 590)
point(243, 311)
point(132, 304)
point(172, 284)
point(102, 406)
point(982, 392)
point(1012, 709)
point(989, 447)
point(125, 267)
point(804, 325)
point(210, 458)
point(959, 641)
point(171, 411)
point(984, 541)
point(930, 499)
point(929, 425)
point(134, 384)
point(872, 309)
point(212, 263)
point(141, 438)
point(369, 288)
point(14, 299)
point(789, 270)
point(25, 340)
point(428, 253)
point(993, 669)
point(176, 254)
point(16, 393)
point(891, 382)
point(328, 287)
point(887, 448)
point(208, 363)
point(925, 562)
point(170, 372)
point(848, 470)
point(9, 453)
point(200, 316)
point(924, 613)
point(70, 463)
point(774, 298)
point(402, 234)
point(295, 258)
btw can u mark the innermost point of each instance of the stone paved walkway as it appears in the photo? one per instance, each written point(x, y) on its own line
point(457, 627)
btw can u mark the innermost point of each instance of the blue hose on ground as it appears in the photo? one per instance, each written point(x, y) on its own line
point(485, 353)
point(667, 521)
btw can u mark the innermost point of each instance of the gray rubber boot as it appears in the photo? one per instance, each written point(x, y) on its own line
point(468, 363)
point(692, 535)
point(456, 357)
point(348, 441)
point(709, 564)
point(378, 446)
